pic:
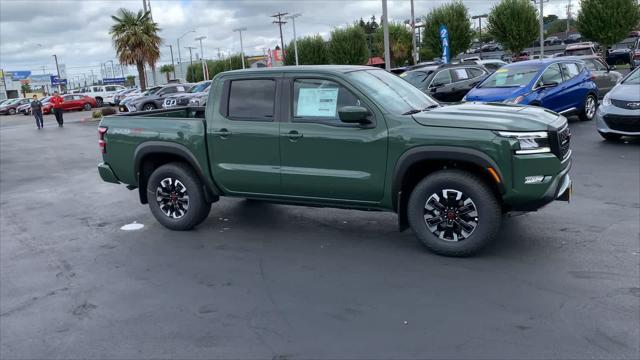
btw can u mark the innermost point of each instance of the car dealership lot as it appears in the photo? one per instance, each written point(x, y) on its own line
point(270, 281)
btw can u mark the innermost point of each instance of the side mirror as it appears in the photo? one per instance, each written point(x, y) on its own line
point(354, 115)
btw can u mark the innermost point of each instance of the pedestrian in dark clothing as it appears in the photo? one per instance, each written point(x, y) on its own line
point(57, 101)
point(36, 110)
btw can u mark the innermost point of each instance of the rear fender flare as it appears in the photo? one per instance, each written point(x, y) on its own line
point(171, 148)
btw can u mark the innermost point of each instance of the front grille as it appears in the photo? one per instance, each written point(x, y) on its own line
point(631, 105)
point(560, 142)
point(623, 123)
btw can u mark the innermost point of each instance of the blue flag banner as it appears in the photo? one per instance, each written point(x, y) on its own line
point(444, 38)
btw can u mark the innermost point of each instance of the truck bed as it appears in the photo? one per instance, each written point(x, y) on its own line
point(127, 134)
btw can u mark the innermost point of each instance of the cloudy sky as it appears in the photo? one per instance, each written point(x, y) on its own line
point(77, 30)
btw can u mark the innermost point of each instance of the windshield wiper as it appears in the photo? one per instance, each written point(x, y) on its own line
point(411, 112)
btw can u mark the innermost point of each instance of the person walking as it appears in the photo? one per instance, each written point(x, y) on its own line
point(36, 110)
point(57, 101)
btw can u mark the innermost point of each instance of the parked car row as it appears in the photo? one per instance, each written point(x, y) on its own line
point(198, 92)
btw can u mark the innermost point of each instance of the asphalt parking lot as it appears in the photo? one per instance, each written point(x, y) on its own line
point(271, 281)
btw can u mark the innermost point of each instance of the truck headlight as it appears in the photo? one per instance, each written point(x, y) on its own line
point(536, 142)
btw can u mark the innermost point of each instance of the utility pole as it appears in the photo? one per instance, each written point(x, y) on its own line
point(280, 23)
point(295, 38)
point(480, 17)
point(55, 57)
point(179, 56)
point(385, 28)
point(413, 35)
point(218, 53)
point(568, 17)
point(541, 26)
point(172, 63)
point(240, 30)
point(205, 75)
point(193, 71)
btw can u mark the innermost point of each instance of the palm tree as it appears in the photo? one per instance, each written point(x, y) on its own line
point(135, 37)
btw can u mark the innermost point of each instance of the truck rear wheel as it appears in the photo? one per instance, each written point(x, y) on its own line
point(176, 197)
point(454, 213)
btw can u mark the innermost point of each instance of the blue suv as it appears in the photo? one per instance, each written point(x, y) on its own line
point(562, 85)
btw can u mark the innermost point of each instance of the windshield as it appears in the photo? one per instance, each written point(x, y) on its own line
point(415, 78)
point(199, 87)
point(391, 92)
point(514, 76)
point(633, 78)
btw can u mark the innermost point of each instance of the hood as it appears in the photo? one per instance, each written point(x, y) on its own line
point(502, 117)
point(624, 92)
point(495, 94)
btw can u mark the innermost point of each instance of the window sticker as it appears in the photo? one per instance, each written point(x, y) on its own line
point(317, 102)
point(461, 74)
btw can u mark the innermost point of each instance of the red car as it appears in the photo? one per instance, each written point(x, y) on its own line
point(72, 102)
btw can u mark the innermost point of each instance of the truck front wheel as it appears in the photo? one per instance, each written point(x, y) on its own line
point(454, 213)
point(176, 197)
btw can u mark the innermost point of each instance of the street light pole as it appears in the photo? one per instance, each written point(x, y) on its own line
point(179, 55)
point(240, 30)
point(205, 74)
point(385, 28)
point(413, 35)
point(541, 26)
point(193, 72)
point(58, 72)
point(172, 63)
point(295, 38)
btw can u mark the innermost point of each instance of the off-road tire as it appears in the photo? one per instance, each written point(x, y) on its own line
point(489, 213)
point(198, 208)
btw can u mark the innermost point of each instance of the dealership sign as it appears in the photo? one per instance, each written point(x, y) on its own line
point(108, 81)
point(18, 75)
point(56, 81)
point(40, 80)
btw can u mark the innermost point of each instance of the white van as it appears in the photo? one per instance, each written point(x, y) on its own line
point(103, 93)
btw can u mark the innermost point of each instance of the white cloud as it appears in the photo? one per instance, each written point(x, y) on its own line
point(77, 30)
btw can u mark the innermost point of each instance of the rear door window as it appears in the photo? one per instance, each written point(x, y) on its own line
point(110, 88)
point(474, 73)
point(252, 99)
point(459, 74)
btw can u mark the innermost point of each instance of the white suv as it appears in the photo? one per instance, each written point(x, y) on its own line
point(103, 93)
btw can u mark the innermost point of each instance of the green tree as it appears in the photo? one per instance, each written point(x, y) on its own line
point(549, 18)
point(399, 43)
point(607, 22)
point(455, 17)
point(514, 24)
point(26, 88)
point(131, 81)
point(167, 70)
point(233, 62)
point(312, 50)
point(136, 40)
point(348, 46)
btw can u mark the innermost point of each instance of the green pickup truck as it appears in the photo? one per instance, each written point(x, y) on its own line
point(348, 137)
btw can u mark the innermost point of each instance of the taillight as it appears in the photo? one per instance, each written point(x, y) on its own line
point(102, 144)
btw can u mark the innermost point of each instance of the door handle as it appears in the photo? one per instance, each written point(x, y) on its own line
point(294, 135)
point(223, 133)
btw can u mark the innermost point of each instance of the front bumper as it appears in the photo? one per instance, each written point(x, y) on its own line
point(107, 174)
point(618, 121)
point(558, 187)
